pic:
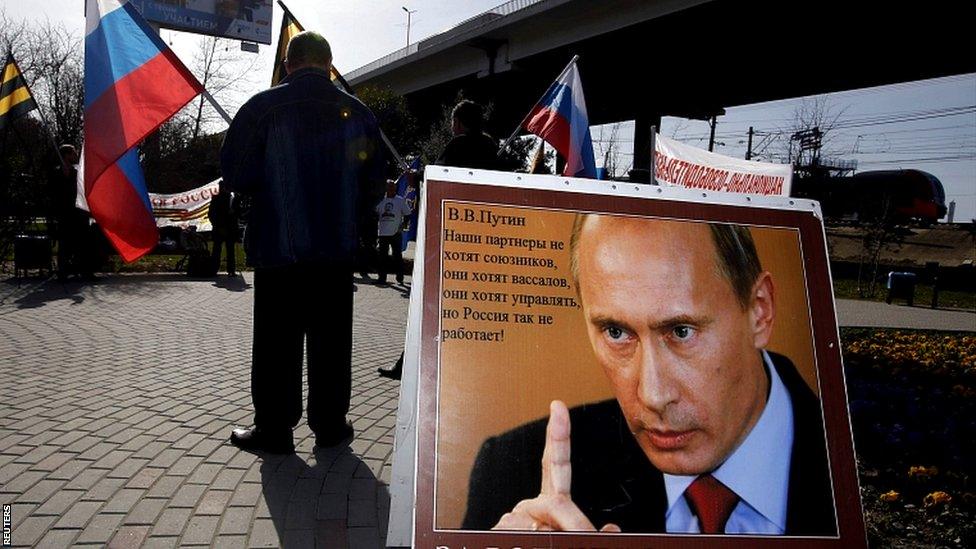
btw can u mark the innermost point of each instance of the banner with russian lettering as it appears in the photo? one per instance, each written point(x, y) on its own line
point(185, 209)
point(680, 165)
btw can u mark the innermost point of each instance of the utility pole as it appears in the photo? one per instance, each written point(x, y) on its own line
point(711, 138)
point(749, 148)
point(409, 13)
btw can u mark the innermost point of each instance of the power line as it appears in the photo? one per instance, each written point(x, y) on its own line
point(923, 160)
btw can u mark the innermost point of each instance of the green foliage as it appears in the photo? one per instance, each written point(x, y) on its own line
point(393, 115)
point(438, 137)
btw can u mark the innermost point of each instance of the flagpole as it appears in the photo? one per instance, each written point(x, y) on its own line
point(396, 154)
point(653, 152)
point(216, 106)
point(40, 112)
point(289, 13)
point(522, 123)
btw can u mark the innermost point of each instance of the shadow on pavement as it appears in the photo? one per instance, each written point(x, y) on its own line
point(332, 500)
point(31, 293)
point(232, 283)
point(34, 293)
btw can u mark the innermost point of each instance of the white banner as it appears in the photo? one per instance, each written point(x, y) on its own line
point(186, 209)
point(680, 165)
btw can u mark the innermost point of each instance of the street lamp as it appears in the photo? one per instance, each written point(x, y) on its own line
point(409, 13)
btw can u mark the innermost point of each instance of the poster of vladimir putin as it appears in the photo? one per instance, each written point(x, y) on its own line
point(623, 368)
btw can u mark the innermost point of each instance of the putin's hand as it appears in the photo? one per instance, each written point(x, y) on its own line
point(553, 508)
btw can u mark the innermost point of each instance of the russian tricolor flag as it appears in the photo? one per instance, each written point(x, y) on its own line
point(560, 119)
point(133, 83)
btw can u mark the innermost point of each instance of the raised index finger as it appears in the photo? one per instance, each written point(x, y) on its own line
point(556, 467)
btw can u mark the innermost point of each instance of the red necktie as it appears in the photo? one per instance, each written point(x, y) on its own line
point(712, 502)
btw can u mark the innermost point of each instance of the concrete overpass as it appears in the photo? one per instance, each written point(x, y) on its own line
point(640, 60)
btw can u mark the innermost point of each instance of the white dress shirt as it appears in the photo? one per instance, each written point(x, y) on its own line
point(758, 471)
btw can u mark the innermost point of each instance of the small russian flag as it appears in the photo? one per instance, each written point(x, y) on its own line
point(560, 119)
point(133, 83)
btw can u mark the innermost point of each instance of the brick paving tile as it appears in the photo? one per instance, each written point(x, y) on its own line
point(171, 522)
point(53, 462)
point(10, 471)
point(247, 493)
point(114, 438)
point(200, 530)
point(104, 489)
point(264, 534)
point(85, 480)
point(123, 500)
point(22, 482)
point(161, 542)
point(214, 502)
point(188, 495)
point(331, 533)
point(41, 491)
point(166, 458)
point(111, 460)
point(29, 530)
point(145, 512)
point(236, 520)
point(129, 537)
point(205, 474)
point(146, 477)
point(128, 468)
point(58, 539)
point(37, 455)
point(59, 503)
point(364, 538)
point(165, 487)
point(230, 542)
point(227, 479)
point(362, 515)
point(100, 529)
point(299, 538)
point(185, 465)
point(332, 507)
point(78, 515)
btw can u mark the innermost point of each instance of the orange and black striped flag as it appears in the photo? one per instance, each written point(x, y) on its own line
point(15, 97)
point(289, 28)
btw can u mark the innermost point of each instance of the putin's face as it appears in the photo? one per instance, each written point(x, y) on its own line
point(679, 349)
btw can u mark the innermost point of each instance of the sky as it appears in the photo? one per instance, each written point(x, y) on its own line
point(927, 125)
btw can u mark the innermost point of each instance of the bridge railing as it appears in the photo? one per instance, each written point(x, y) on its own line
point(463, 27)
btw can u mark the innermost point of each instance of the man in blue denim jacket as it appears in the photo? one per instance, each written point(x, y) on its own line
point(307, 155)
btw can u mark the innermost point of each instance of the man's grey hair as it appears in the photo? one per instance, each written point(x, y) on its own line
point(309, 48)
point(735, 256)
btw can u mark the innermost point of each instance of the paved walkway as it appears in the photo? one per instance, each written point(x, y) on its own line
point(872, 314)
point(116, 401)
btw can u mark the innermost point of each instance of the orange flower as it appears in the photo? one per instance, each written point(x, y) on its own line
point(921, 472)
point(890, 496)
point(936, 498)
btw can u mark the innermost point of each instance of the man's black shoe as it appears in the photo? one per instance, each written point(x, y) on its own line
point(400, 280)
point(331, 439)
point(392, 373)
point(256, 439)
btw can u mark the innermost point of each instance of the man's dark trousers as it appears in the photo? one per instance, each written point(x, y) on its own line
point(292, 305)
point(395, 264)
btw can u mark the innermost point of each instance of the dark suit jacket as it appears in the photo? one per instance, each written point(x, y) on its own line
point(613, 481)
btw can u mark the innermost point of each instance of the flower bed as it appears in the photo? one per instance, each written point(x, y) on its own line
point(912, 397)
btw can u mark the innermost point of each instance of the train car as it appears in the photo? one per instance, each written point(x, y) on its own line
point(900, 195)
